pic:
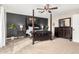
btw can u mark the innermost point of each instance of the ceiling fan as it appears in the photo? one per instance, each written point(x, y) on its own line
point(47, 8)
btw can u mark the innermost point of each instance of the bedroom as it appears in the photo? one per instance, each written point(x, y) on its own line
point(63, 11)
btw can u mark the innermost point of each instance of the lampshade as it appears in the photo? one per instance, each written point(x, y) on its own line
point(21, 27)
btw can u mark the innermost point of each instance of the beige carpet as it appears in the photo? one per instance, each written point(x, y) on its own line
point(58, 45)
point(15, 45)
point(24, 46)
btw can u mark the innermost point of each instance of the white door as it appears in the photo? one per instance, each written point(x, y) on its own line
point(2, 27)
point(75, 25)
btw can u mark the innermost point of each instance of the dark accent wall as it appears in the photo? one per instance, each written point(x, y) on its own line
point(38, 21)
point(22, 20)
point(17, 20)
point(43, 21)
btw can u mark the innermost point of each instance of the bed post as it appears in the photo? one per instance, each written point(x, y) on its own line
point(50, 21)
point(51, 24)
point(33, 25)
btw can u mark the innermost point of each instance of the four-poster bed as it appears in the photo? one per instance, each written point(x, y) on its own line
point(42, 34)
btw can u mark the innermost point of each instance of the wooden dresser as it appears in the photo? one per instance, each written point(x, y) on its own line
point(64, 32)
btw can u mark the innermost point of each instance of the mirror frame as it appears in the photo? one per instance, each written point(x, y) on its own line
point(63, 23)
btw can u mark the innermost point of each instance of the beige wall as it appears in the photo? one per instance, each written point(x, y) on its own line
point(56, 19)
point(25, 9)
point(64, 15)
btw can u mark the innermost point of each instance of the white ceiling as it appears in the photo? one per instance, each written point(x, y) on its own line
point(26, 9)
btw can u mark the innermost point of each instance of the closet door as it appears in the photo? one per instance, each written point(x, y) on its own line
point(75, 24)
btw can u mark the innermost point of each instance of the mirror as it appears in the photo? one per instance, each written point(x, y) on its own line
point(65, 22)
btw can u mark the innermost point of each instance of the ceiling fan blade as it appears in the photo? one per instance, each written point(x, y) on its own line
point(40, 9)
point(53, 8)
point(49, 11)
